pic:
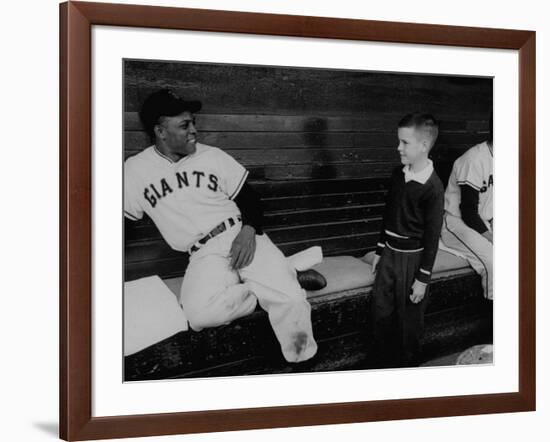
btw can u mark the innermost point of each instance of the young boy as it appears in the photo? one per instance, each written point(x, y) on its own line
point(407, 246)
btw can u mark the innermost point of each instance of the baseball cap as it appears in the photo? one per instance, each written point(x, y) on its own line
point(164, 103)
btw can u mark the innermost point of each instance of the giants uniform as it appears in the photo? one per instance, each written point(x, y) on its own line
point(186, 200)
point(475, 169)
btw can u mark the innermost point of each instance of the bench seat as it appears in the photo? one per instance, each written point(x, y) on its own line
point(348, 273)
point(455, 318)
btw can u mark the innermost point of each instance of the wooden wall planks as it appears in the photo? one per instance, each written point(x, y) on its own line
point(319, 144)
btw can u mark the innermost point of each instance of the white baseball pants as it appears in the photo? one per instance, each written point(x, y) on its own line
point(456, 235)
point(213, 294)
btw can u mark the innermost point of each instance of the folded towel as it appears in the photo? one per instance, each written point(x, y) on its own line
point(306, 258)
point(343, 273)
point(151, 314)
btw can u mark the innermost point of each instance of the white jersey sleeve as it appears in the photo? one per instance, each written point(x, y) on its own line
point(469, 173)
point(233, 174)
point(132, 206)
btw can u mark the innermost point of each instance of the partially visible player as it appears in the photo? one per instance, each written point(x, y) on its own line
point(198, 198)
point(468, 222)
point(407, 246)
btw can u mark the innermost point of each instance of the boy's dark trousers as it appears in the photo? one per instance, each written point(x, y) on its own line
point(398, 323)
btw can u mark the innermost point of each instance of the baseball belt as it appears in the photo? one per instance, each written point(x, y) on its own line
point(220, 228)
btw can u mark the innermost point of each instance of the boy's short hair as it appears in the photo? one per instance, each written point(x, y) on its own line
point(424, 123)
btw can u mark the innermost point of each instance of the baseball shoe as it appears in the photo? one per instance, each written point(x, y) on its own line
point(311, 280)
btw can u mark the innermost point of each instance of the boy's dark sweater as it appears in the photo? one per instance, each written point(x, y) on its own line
point(415, 211)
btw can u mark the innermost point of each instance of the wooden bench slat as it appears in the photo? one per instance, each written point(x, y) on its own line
point(260, 158)
point(299, 209)
point(279, 235)
point(149, 250)
point(348, 170)
point(174, 266)
point(272, 189)
point(298, 217)
point(318, 171)
point(252, 89)
point(159, 251)
point(338, 245)
point(377, 99)
point(253, 157)
point(134, 142)
point(135, 231)
point(307, 123)
point(166, 267)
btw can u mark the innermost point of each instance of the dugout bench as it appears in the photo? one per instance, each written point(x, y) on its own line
point(456, 319)
point(456, 316)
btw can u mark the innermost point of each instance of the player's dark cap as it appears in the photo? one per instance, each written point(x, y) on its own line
point(164, 103)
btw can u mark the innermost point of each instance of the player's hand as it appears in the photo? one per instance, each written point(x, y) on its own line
point(418, 291)
point(488, 235)
point(243, 248)
point(375, 262)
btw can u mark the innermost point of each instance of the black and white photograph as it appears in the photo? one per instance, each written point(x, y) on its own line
point(282, 219)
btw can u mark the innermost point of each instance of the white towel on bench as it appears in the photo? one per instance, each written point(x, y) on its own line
point(151, 314)
point(307, 258)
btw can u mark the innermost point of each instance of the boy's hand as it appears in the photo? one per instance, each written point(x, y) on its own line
point(375, 263)
point(418, 291)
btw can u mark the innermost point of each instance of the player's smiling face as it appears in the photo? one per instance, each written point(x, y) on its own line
point(412, 147)
point(177, 135)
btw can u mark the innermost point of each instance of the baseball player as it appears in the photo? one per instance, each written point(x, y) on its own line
point(468, 222)
point(198, 198)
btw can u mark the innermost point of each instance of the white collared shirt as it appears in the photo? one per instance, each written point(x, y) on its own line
point(420, 177)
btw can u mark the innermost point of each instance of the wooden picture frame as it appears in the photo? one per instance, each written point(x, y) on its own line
point(76, 21)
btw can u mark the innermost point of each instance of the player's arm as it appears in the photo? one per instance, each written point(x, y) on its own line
point(244, 245)
point(233, 183)
point(469, 203)
point(250, 205)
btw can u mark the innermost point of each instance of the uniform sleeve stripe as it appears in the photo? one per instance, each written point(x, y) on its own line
point(381, 245)
point(425, 272)
point(240, 185)
point(129, 215)
point(468, 183)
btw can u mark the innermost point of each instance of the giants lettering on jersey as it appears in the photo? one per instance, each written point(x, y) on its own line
point(155, 192)
point(486, 185)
